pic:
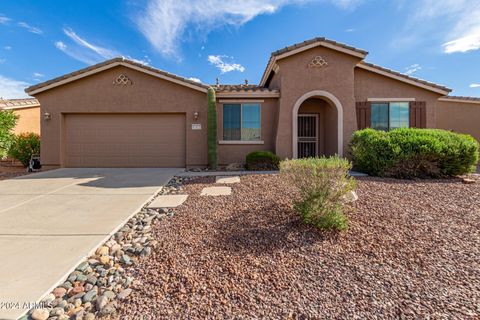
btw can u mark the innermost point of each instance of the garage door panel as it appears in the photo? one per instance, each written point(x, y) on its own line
point(121, 140)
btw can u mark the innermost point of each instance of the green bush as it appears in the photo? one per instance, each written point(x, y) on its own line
point(413, 153)
point(24, 146)
point(8, 120)
point(324, 185)
point(262, 160)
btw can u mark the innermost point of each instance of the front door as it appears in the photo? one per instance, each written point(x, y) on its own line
point(307, 135)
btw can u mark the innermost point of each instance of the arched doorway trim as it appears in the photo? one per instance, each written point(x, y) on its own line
point(317, 94)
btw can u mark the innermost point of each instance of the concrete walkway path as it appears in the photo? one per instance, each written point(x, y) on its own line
point(52, 220)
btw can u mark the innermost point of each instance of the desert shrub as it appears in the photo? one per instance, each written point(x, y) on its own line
point(8, 120)
point(262, 160)
point(413, 153)
point(324, 185)
point(24, 146)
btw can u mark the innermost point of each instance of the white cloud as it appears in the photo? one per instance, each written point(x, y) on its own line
point(466, 43)
point(350, 30)
point(37, 75)
point(195, 79)
point(4, 19)
point(7, 48)
point(83, 50)
point(456, 23)
point(475, 85)
point(89, 53)
point(219, 62)
point(75, 53)
point(60, 45)
point(10, 88)
point(164, 22)
point(29, 28)
point(103, 52)
point(412, 69)
point(2, 61)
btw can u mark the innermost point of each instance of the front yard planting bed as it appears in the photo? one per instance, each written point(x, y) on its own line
point(12, 171)
point(412, 250)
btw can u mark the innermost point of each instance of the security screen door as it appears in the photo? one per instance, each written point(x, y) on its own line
point(307, 135)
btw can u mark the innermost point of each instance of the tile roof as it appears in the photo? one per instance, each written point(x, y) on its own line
point(241, 88)
point(111, 61)
point(18, 103)
point(317, 39)
point(471, 99)
point(402, 75)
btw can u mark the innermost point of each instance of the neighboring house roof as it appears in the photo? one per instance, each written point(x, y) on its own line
point(10, 104)
point(120, 61)
point(404, 78)
point(306, 45)
point(244, 90)
point(460, 99)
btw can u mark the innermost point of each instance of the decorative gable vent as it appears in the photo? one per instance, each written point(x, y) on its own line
point(317, 62)
point(122, 80)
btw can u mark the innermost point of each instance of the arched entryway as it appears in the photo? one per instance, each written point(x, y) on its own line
point(317, 125)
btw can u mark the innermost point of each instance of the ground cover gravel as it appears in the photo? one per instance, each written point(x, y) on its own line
point(412, 251)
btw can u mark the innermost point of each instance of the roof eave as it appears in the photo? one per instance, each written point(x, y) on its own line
point(70, 77)
point(404, 78)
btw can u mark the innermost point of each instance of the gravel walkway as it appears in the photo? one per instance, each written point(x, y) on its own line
point(412, 251)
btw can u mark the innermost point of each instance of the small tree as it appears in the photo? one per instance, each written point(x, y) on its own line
point(212, 129)
point(8, 120)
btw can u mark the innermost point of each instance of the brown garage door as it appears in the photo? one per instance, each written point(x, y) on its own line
point(124, 140)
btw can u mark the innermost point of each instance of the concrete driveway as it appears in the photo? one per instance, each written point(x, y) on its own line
point(50, 221)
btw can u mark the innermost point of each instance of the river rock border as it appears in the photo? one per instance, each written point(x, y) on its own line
point(97, 285)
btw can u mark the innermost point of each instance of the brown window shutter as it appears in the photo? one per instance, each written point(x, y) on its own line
point(418, 114)
point(364, 113)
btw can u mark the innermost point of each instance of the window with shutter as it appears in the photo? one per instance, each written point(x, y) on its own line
point(418, 114)
point(363, 110)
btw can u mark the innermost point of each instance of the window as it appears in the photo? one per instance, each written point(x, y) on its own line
point(388, 116)
point(241, 122)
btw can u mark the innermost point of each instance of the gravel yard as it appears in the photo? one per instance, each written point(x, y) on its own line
point(412, 251)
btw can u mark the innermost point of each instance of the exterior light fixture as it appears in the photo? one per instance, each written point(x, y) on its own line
point(47, 116)
point(195, 116)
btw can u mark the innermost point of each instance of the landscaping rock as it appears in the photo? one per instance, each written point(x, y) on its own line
point(81, 278)
point(89, 316)
point(92, 279)
point(82, 266)
point(103, 250)
point(102, 302)
point(108, 309)
point(89, 296)
point(126, 259)
point(468, 181)
point(124, 293)
point(40, 314)
point(59, 292)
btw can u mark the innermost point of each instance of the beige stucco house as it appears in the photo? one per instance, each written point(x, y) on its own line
point(311, 98)
point(28, 112)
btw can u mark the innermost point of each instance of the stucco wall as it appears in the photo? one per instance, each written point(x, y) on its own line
point(298, 79)
point(371, 85)
point(236, 153)
point(460, 117)
point(97, 94)
point(29, 120)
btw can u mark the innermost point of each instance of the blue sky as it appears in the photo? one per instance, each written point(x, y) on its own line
point(436, 40)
